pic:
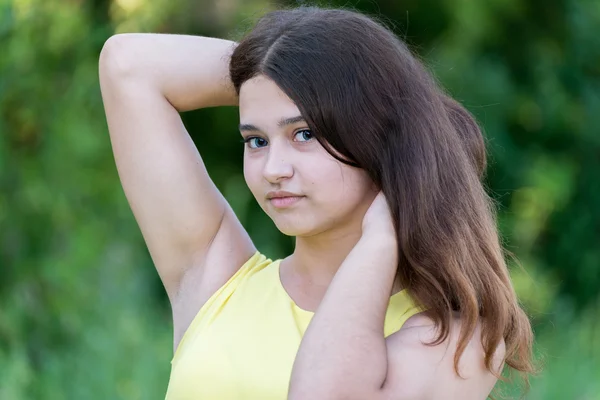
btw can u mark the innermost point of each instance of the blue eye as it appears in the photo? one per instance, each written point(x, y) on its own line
point(255, 142)
point(305, 134)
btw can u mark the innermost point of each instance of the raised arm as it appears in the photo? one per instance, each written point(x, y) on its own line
point(195, 240)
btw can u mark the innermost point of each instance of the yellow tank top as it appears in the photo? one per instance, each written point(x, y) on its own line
point(243, 341)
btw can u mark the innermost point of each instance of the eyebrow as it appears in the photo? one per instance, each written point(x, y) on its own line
point(281, 123)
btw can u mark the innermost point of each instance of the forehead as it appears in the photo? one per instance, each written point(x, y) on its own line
point(262, 101)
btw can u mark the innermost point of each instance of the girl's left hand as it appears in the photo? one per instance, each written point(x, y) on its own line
point(377, 222)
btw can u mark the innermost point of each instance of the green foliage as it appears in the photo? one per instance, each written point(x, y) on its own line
point(83, 314)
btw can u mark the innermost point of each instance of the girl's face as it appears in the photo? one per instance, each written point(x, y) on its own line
point(282, 155)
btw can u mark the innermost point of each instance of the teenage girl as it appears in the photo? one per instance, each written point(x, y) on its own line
point(397, 287)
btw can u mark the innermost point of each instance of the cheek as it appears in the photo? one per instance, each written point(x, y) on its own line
point(339, 188)
point(252, 176)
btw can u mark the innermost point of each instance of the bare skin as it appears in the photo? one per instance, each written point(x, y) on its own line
point(194, 238)
point(327, 222)
point(196, 241)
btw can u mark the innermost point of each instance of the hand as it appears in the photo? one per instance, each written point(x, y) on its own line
point(377, 221)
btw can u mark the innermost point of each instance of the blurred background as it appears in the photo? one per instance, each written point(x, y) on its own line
point(83, 314)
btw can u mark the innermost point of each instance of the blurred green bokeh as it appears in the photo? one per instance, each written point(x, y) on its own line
point(82, 312)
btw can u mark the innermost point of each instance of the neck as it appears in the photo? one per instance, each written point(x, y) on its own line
point(317, 258)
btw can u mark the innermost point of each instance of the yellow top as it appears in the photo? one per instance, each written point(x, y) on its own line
point(243, 341)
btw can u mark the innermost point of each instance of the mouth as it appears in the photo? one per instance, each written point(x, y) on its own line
point(285, 202)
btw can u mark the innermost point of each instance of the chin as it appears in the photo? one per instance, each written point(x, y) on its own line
point(291, 227)
point(292, 230)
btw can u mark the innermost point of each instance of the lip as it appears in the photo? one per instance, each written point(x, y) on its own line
point(281, 193)
point(283, 199)
point(285, 202)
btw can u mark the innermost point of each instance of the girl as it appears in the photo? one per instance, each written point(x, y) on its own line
point(397, 287)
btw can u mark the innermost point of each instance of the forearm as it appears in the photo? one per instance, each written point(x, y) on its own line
point(343, 352)
point(189, 71)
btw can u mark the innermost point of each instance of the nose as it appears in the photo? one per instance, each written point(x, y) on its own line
point(277, 166)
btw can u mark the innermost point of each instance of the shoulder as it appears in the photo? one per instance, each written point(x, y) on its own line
point(420, 370)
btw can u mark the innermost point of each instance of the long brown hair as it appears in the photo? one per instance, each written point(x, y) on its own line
point(374, 106)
